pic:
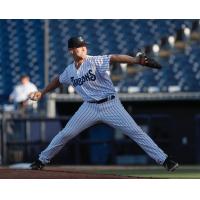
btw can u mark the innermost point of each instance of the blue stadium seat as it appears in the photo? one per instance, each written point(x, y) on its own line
point(21, 52)
point(22, 49)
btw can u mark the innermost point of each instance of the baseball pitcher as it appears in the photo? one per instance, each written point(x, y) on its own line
point(89, 75)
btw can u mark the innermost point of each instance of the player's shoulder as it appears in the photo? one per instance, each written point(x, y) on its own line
point(69, 67)
point(89, 57)
point(97, 57)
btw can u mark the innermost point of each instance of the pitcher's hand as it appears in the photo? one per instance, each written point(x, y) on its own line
point(35, 96)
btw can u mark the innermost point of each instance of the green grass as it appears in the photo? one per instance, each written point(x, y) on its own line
point(185, 172)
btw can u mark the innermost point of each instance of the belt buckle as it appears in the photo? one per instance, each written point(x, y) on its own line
point(111, 97)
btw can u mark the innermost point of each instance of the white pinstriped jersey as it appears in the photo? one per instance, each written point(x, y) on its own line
point(92, 80)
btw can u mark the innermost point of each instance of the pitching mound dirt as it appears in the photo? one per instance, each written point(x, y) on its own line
point(53, 173)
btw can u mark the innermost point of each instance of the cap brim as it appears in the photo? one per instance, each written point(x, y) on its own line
point(80, 45)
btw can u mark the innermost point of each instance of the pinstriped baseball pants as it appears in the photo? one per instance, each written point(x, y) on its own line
point(112, 113)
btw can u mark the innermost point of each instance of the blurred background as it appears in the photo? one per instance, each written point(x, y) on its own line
point(165, 103)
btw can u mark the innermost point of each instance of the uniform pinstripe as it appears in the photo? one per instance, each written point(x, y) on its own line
point(96, 85)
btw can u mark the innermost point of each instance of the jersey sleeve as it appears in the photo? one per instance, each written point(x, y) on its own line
point(63, 77)
point(102, 62)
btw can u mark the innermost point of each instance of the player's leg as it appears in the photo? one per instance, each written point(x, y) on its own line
point(116, 116)
point(82, 119)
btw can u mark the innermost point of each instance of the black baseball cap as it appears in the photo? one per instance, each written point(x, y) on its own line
point(76, 42)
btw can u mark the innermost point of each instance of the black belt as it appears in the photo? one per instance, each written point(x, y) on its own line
point(103, 100)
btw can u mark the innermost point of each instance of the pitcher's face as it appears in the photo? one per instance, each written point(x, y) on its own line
point(78, 53)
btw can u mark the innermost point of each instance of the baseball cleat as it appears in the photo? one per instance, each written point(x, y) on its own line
point(170, 165)
point(37, 165)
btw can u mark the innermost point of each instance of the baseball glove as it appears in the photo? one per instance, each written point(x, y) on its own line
point(148, 62)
